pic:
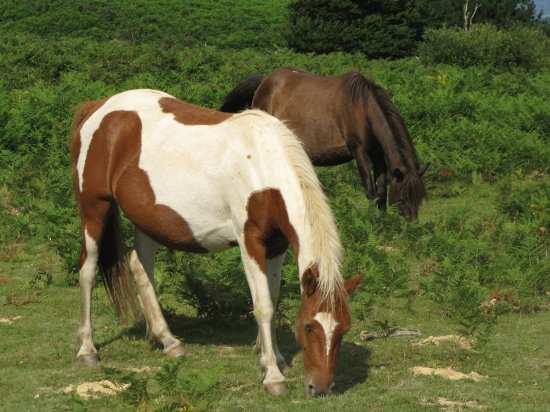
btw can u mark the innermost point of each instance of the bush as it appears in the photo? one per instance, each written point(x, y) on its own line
point(214, 285)
point(375, 28)
point(527, 203)
point(485, 45)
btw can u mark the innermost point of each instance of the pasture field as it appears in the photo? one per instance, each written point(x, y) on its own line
point(220, 371)
point(474, 265)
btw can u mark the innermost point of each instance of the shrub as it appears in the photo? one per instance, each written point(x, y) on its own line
point(527, 203)
point(485, 45)
point(375, 28)
point(214, 285)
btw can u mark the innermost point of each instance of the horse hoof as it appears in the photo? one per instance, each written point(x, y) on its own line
point(175, 352)
point(278, 388)
point(89, 360)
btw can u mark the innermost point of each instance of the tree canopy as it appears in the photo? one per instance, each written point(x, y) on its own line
point(388, 28)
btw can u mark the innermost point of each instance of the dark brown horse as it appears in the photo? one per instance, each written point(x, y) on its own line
point(339, 119)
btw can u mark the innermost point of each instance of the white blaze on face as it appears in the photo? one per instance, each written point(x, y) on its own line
point(327, 321)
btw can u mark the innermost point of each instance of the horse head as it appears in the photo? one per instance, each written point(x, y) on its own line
point(319, 330)
point(407, 191)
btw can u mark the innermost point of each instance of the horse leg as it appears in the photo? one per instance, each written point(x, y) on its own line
point(273, 267)
point(364, 165)
point(274, 381)
point(91, 222)
point(380, 169)
point(142, 260)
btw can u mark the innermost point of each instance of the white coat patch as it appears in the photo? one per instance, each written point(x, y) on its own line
point(327, 321)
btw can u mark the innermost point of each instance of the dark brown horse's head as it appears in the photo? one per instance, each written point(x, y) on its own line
point(319, 331)
point(407, 191)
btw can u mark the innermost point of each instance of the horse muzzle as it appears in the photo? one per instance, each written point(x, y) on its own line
point(313, 390)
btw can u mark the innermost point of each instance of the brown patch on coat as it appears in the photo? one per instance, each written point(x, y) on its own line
point(111, 173)
point(190, 114)
point(267, 230)
point(82, 115)
point(86, 110)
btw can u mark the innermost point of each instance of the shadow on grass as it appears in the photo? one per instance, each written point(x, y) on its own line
point(196, 331)
point(352, 366)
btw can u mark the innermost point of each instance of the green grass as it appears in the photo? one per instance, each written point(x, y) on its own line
point(483, 233)
point(221, 372)
point(170, 23)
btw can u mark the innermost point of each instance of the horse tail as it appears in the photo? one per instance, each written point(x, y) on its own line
point(112, 261)
point(114, 267)
point(240, 97)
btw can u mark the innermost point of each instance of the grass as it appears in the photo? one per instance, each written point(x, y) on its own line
point(221, 372)
point(483, 232)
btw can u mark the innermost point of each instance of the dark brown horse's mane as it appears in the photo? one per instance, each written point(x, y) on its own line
point(412, 189)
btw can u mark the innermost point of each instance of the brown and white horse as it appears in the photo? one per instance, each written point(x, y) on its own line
point(198, 180)
point(339, 119)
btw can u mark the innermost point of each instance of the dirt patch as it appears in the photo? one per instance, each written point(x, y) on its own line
point(9, 321)
point(456, 404)
point(447, 373)
point(437, 340)
point(91, 390)
point(450, 405)
point(144, 369)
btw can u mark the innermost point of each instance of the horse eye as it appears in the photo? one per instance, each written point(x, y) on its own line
point(309, 327)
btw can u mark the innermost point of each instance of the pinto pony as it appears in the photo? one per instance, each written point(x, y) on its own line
point(198, 180)
point(339, 119)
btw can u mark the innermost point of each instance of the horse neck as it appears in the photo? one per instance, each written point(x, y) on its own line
point(317, 235)
point(394, 150)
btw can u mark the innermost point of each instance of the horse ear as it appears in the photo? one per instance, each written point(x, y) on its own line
point(310, 280)
point(351, 284)
point(398, 174)
point(423, 169)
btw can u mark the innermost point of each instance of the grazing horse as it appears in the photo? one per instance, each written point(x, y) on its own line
point(198, 180)
point(339, 119)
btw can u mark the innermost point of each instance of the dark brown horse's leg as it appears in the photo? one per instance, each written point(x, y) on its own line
point(364, 165)
point(380, 169)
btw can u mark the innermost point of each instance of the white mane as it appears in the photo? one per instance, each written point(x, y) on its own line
point(326, 246)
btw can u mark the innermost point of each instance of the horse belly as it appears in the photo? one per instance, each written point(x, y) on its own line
point(194, 192)
point(322, 139)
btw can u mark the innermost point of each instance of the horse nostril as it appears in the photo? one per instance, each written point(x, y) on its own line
point(310, 390)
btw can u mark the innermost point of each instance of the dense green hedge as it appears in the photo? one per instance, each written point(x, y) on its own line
point(485, 45)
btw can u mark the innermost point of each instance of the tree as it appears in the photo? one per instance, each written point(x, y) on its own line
point(503, 13)
point(389, 28)
point(378, 28)
point(469, 15)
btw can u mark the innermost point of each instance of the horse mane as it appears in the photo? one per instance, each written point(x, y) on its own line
point(359, 87)
point(241, 96)
point(326, 242)
point(326, 245)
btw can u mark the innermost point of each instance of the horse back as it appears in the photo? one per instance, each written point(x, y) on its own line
point(317, 108)
point(182, 174)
